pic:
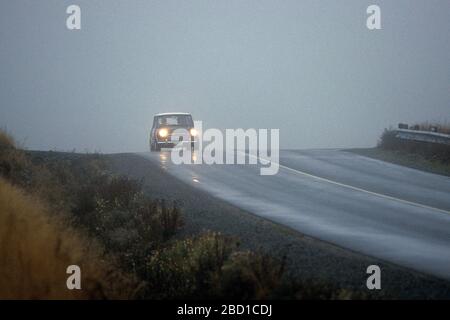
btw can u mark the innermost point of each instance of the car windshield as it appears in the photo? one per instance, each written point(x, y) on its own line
point(175, 120)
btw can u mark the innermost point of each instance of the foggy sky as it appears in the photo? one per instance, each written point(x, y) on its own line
point(310, 68)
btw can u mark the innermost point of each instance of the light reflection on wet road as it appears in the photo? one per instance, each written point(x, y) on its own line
point(383, 210)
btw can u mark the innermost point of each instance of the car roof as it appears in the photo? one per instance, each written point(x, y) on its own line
point(172, 114)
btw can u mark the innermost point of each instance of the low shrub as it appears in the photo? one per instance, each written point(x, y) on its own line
point(211, 266)
point(129, 224)
point(250, 275)
point(190, 268)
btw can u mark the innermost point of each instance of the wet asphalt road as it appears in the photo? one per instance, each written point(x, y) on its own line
point(382, 210)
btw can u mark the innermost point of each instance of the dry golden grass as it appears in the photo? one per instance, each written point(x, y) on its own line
point(36, 248)
point(13, 162)
point(6, 140)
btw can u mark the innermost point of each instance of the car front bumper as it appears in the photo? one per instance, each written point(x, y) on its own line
point(172, 144)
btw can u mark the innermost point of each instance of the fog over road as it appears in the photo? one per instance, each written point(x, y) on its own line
point(383, 210)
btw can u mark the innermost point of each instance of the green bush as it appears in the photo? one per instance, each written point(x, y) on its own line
point(190, 268)
point(250, 275)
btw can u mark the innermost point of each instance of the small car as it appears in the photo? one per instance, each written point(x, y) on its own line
point(165, 133)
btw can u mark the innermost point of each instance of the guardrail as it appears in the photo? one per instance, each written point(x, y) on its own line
point(423, 136)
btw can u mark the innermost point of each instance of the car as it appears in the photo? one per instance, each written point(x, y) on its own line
point(172, 129)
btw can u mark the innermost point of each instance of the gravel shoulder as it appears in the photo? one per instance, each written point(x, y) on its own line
point(307, 257)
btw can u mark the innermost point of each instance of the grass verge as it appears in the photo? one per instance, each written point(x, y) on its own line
point(404, 159)
point(429, 157)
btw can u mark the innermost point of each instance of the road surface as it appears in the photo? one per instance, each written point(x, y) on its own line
point(383, 210)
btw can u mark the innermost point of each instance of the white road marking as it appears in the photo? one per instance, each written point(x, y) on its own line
point(352, 187)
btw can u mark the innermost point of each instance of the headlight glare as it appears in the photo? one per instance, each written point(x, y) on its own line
point(163, 133)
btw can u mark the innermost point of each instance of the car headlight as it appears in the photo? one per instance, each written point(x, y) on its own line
point(193, 132)
point(163, 133)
